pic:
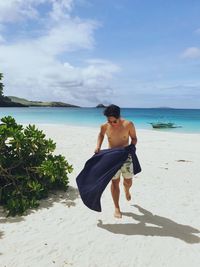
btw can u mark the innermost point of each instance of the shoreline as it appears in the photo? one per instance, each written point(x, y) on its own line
point(97, 127)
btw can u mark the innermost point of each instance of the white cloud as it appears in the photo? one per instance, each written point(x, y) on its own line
point(67, 36)
point(33, 74)
point(59, 7)
point(191, 52)
point(100, 67)
point(34, 68)
point(14, 10)
point(17, 10)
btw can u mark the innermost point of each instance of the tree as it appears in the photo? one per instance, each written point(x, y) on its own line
point(1, 85)
point(29, 169)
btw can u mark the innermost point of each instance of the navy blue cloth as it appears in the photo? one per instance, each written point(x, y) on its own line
point(99, 170)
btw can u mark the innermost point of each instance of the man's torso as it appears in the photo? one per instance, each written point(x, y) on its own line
point(118, 136)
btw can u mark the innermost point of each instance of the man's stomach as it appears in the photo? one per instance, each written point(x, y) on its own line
point(115, 145)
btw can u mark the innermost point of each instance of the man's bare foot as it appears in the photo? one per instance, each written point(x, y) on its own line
point(127, 193)
point(117, 213)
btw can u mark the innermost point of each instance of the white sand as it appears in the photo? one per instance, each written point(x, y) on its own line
point(160, 226)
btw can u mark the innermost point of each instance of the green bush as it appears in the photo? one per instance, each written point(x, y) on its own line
point(28, 169)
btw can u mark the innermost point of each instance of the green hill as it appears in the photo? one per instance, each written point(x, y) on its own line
point(6, 102)
point(28, 103)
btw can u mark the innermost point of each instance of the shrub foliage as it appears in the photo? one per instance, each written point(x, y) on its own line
point(28, 168)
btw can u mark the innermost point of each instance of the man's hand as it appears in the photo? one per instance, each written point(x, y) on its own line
point(100, 138)
point(97, 150)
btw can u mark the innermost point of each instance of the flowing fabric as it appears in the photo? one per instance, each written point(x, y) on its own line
point(99, 170)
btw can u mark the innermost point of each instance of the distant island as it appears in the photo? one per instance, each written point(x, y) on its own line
point(13, 101)
point(100, 106)
point(27, 103)
point(164, 108)
point(6, 102)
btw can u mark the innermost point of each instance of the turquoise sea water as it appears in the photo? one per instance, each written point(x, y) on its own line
point(188, 119)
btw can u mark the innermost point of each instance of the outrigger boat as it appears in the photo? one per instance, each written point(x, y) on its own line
point(164, 125)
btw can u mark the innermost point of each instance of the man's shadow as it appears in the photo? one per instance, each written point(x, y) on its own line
point(162, 227)
point(1, 234)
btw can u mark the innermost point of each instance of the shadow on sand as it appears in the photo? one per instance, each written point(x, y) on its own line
point(66, 198)
point(163, 227)
point(1, 234)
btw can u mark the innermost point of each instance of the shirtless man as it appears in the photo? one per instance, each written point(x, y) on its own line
point(118, 131)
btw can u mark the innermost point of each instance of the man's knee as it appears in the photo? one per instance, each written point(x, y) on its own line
point(127, 182)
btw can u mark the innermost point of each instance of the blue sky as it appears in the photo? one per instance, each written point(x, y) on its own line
point(131, 53)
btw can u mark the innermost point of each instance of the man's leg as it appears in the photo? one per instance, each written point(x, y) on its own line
point(127, 173)
point(127, 186)
point(115, 195)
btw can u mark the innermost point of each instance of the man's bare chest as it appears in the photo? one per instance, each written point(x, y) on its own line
point(117, 133)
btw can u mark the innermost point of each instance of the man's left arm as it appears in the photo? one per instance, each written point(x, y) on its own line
point(132, 133)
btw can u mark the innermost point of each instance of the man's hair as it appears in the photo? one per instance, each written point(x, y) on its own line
point(112, 111)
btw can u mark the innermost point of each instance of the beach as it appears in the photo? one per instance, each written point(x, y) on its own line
point(160, 226)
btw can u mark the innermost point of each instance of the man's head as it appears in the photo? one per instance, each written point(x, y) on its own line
point(112, 113)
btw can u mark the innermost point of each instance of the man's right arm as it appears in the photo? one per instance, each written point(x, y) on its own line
point(100, 138)
point(132, 133)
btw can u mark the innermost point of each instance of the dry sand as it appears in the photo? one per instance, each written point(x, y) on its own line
point(160, 225)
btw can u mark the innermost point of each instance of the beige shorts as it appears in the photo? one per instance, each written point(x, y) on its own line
point(126, 169)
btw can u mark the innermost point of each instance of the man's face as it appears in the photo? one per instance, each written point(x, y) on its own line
point(113, 121)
